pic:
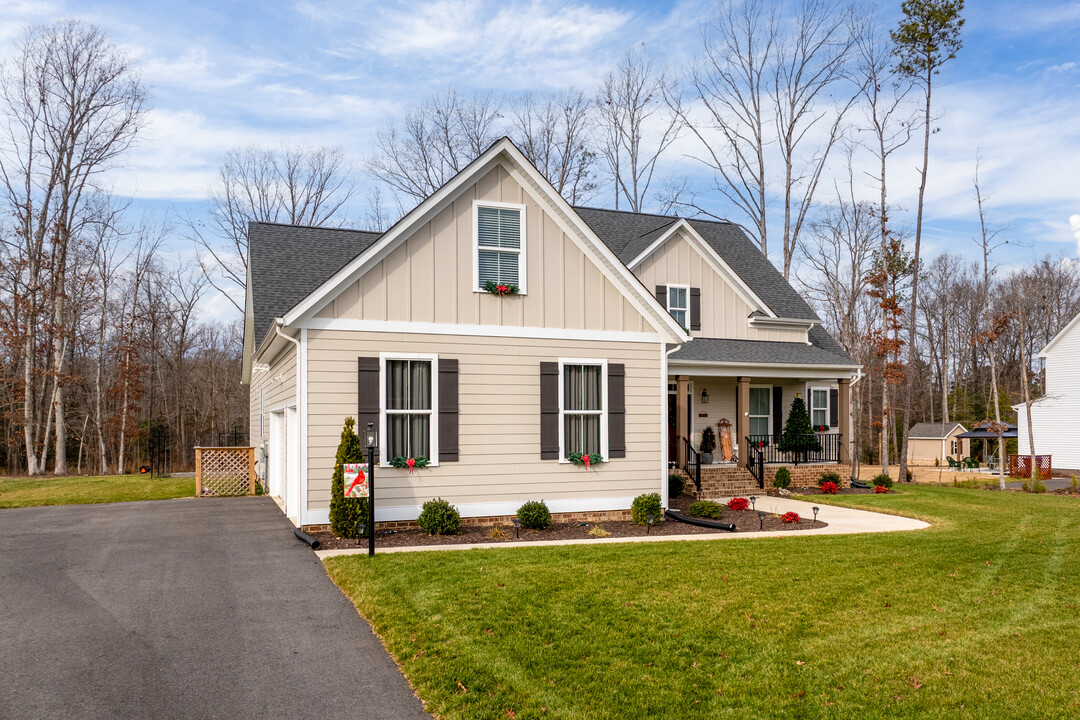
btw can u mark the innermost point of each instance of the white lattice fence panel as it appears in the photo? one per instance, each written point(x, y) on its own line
point(225, 471)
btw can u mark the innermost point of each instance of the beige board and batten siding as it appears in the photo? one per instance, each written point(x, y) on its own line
point(429, 277)
point(277, 388)
point(499, 419)
point(723, 313)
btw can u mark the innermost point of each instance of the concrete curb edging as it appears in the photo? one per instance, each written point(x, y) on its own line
point(842, 521)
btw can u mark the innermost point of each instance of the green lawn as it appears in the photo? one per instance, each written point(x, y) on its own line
point(976, 617)
point(48, 490)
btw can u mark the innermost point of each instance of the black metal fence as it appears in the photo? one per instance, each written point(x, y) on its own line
point(804, 449)
point(692, 466)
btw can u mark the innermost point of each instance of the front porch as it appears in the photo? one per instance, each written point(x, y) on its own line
point(748, 414)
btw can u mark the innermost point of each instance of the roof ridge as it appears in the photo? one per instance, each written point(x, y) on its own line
point(627, 212)
point(315, 227)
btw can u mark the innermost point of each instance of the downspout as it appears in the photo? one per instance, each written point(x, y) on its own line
point(663, 431)
point(278, 322)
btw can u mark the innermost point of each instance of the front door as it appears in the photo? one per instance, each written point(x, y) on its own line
point(672, 434)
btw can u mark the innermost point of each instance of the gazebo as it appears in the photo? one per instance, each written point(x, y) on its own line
point(985, 434)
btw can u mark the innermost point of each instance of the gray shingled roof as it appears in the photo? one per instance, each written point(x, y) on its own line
point(288, 262)
point(628, 234)
point(756, 352)
point(932, 430)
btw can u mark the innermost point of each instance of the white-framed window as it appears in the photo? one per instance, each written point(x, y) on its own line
point(678, 303)
point(409, 401)
point(583, 405)
point(761, 410)
point(819, 406)
point(499, 245)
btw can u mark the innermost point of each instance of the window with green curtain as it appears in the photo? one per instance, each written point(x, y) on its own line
point(583, 408)
point(408, 408)
point(498, 237)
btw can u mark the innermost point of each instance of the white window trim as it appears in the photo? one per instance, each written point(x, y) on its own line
point(563, 362)
point(523, 265)
point(433, 457)
point(812, 407)
point(768, 414)
point(667, 301)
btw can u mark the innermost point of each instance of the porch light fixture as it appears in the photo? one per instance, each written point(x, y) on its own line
point(753, 502)
point(649, 520)
point(517, 527)
point(704, 396)
point(815, 509)
point(761, 519)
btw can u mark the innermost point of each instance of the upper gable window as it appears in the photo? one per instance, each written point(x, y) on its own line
point(499, 245)
point(678, 303)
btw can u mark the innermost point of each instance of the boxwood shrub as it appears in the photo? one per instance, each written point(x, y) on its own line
point(439, 517)
point(829, 477)
point(534, 515)
point(782, 478)
point(675, 484)
point(645, 505)
point(706, 509)
point(882, 480)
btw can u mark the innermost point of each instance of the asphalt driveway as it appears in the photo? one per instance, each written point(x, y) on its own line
point(197, 608)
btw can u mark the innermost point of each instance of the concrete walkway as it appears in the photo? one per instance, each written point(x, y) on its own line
point(196, 608)
point(842, 521)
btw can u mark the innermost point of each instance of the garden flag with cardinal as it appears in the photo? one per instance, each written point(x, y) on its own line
point(356, 483)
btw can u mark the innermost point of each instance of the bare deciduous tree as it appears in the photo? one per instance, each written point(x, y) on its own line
point(553, 132)
point(639, 125)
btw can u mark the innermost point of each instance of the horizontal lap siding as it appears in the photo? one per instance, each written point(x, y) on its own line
point(279, 386)
point(499, 386)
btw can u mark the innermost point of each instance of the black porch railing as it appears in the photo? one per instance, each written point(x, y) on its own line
point(809, 448)
point(692, 464)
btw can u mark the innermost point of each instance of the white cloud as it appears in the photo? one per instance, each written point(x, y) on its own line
point(1074, 225)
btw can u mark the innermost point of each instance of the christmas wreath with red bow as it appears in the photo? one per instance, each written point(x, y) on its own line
point(501, 288)
point(588, 460)
point(410, 462)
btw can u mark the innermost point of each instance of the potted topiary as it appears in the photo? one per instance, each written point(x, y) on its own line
point(708, 444)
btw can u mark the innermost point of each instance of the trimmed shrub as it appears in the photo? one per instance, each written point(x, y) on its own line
point(708, 440)
point(675, 484)
point(882, 480)
point(439, 517)
point(534, 515)
point(645, 505)
point(829, 488)
point(706, 509)
point(738, 504)
point(348, 516)
point(829, 477)
point(782, 478)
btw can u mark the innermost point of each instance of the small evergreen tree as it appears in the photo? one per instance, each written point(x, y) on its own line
point(348, 516)
point(798, 435)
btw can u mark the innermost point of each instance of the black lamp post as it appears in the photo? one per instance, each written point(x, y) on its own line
point(761, 519)
point(372, 441)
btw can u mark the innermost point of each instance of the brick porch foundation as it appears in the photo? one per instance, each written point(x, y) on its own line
point(500, 520)
point(732, 480)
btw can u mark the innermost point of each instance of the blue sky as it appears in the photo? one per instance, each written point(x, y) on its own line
point(332, 72)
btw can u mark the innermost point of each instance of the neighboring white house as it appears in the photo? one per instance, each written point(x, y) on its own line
point(1056, 415)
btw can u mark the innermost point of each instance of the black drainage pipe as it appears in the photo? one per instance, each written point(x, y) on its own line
point(313, 542)
point(700, 522)
point(859, 485)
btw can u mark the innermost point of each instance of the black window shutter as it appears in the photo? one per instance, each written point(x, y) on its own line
point(367, 393)
point(549, 411)
point(777, 412)
point(661, 295)
point(616, 374)
point(834, 407)
point(695, 308)
point(448, 410)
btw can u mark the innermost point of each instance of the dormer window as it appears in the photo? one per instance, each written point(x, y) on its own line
point(499, 245)
point(678, 303)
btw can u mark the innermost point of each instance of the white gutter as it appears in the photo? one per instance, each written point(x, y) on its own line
point(278, 322)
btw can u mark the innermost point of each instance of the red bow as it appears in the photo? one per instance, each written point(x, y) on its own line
point(585, 459)
point(410, 463)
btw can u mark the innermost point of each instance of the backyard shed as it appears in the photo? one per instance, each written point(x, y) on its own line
point(931, 443)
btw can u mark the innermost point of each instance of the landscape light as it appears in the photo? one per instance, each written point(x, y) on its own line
point(753, 502)
point(815, 508)
point(517, 527)
point(649, 520)
point(761, 519)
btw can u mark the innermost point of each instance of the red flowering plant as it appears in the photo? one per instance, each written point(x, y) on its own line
point(880, 489)
point(586, 459)
point(739, 503)
point(829, 488)
point(790, 518)
point(501, 288)
point(409, 462)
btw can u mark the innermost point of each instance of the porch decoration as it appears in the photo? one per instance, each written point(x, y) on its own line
point(409, 462)
point(821, 428)
point(738, 504)
point(726, 450)
point(798, 435)
point(708, 444)
point(501, 289)
point(588, 459)
point(790, 517)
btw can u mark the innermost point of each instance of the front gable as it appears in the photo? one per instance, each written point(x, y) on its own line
point(421, 273)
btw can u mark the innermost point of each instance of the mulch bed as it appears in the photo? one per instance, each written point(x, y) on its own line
point(746, 521)
point(842, 491)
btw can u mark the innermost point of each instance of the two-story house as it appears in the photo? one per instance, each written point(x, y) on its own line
point(497, 332)
point(1057, 412)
